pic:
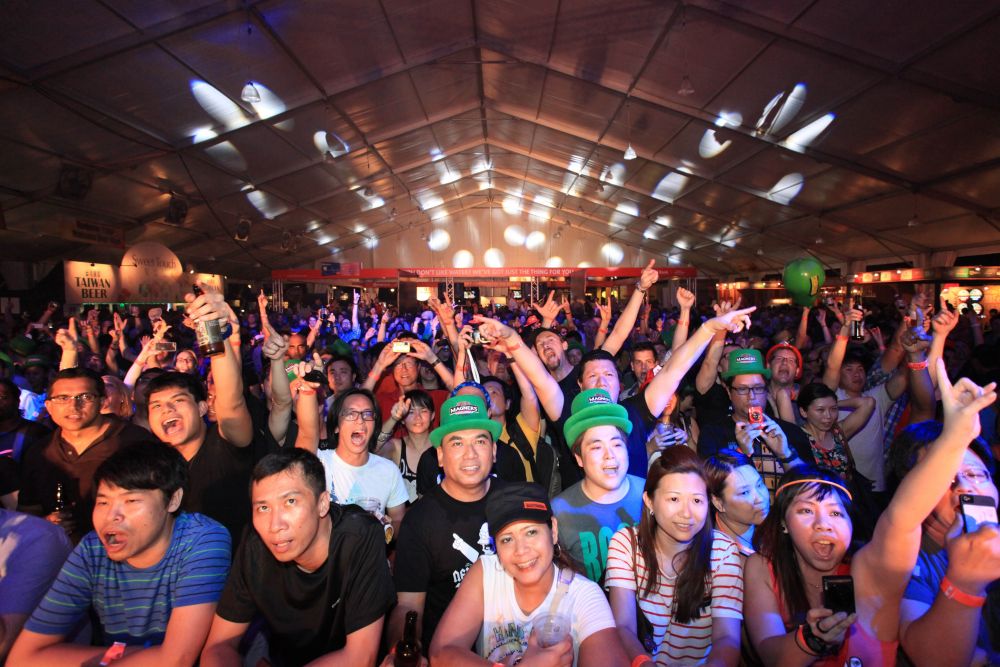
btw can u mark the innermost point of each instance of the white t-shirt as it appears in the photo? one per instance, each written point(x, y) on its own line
point(375, 486)
point(679, 643)
point(867, 444)
point(506, 627)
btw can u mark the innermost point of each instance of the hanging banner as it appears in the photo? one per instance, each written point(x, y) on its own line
point(151, 273)
point(87, 282)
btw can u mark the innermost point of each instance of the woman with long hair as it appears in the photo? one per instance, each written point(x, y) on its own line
point(676, 586)
point(809, 535)
point(415, 409)
point(525, 604)
point(740, 500)
point(827, 436)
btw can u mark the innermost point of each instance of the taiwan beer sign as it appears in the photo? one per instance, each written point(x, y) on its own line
point(87, 282)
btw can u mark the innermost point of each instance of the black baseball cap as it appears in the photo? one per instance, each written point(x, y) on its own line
point(518, 501)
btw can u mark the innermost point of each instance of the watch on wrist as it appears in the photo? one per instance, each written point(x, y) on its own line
point(817, 645)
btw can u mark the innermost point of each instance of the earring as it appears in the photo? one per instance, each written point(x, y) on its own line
point(784, 529)
point(556, 551)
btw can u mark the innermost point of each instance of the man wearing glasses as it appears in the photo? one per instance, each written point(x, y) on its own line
point(774, 444)
point(57, 478)
point(353, 475)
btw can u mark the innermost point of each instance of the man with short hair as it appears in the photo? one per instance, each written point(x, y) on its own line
point(297, 346)
point(62, 470)
point(607, 498)
point(151, 573)
point(315, 572)
point(643, 361)
point(445, 531)
point(774, 445)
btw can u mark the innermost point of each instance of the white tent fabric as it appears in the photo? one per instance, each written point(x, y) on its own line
point(423, 132)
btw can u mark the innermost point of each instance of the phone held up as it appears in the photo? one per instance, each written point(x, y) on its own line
point(976, 510)
point(838, 593)
point(400, 347)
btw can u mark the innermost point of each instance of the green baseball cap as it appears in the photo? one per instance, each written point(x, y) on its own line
point(594, 407)
point(464, 413)
point(36, 360)
point(746, 362)
point(5, 358)
point(22, 345)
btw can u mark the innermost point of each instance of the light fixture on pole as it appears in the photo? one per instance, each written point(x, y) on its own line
point(250, 94)
point(686, 88)
point(629, 151)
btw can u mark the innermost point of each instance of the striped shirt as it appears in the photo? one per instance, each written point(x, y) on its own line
point(679, 643)
point(134, 605)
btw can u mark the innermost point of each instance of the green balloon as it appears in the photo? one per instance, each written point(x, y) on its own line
point(803, 277)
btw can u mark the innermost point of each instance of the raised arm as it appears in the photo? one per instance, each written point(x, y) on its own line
point(686, 300)
point(385, 360)
point(529, 400)
point(279, 415)
point(623, 327)
point(889, 558)
point(446, 316)
point(423, 352)
point(230, 406)
point(67, 340)
point(831, 376)
point(602, 329)
point(665, 384)
point(546, 388)
point(710, 365)
point(354, 312)
point(306, 408)
point(802, 335)
point(861, 409)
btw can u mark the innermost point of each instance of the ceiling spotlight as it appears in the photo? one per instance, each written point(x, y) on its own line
point(819, 240)
point(250, 94)
point(242, 232)
point(914, 221)
point(687, 88)
point(630, 153)
point(368, 192)
point(760, 252)
point(557, 234)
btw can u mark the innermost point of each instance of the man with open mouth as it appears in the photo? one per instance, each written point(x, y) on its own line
point(315, 572)
point(151, 573)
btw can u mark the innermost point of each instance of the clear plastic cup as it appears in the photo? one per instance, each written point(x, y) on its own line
point(550, 629)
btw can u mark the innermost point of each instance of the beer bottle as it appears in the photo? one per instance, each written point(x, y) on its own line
point(208, 334)
point(60, 503)
point(408, 648)
point(858, 328)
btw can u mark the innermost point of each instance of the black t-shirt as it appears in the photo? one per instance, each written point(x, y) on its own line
point(310, 614)
point(712, 406)
point(643, 423)
point(219, 480)
point(22, 437)
point(438, 542)
point(569, 472)
point(9, 479)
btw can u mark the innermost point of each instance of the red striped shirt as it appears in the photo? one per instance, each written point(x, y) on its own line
point(679, 643)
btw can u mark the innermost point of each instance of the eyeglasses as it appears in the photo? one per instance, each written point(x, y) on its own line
point(758, 390)
point(975, 477)
point(64, 399)
point(353, 415)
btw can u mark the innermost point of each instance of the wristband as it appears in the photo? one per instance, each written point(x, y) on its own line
point(800, 642)
point(307, 392)
point(373, 374)
point(641, 659)
point(515, 347)
point(788, 459)
point(603, 330)
point(435, 362)
point(114, 652)
point(684, 322)
point(952, 593)
point(842, 336)
point(638, 286)
point(917, 365)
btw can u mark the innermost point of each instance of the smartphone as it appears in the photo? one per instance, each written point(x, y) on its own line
point(756, 414)
point(838, 593)
point(976, 510)
point(477, 338)
point(401, 347)
point(312, 376)
point(165, 346)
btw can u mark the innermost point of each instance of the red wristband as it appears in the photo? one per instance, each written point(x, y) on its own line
point(307, 392)
point(602, 331)
point(952, 593)
point(917, 365)
point(842, 336)
point(641, 659)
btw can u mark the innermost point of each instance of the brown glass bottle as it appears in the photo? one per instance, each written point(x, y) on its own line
point(857, 329)
point(408, 648)
point(208, 334)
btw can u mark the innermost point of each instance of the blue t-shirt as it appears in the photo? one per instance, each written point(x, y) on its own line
point(134, 605)
point(925, 584)
point(586, 527)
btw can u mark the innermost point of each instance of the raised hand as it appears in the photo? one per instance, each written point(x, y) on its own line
point(400, 409)
point(357, 297)
point(962, 403)
point(685, 298)
point(262, 302)
point(275, 347)
point(443, 309)
point(550, 309)
point(733, 321)
point(945, 320)
point(649, 276)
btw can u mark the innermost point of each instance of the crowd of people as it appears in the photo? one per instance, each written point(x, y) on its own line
point(554, 483)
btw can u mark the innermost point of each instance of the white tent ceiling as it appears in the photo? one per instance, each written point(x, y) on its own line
point(871, 126)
